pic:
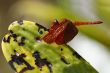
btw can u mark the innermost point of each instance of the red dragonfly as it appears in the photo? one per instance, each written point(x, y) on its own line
point(64, 31)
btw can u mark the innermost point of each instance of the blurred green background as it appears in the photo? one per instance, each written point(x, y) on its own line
point(45, 11)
